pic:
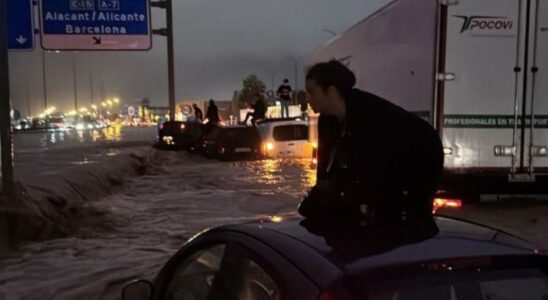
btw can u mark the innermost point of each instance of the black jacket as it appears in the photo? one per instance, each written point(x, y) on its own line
point(259, 109)
point(213, 114)
point(381, 155)
point(198, 114)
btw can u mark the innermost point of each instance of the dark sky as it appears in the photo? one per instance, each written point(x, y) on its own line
point(217, 44)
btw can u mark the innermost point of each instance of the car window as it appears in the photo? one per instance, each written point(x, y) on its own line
point(258, 285)
point(194, 277)
point(245, 279)
point(290, 133)
point(494, 285)
point(240, 136)
point(301, 132)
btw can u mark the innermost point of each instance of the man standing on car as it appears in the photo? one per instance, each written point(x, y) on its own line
point(198, 114)
point(284, 92)
point(377, 162)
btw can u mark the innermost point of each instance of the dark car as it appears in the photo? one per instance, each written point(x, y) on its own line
point(440, 258)
point(177, 134)
point(238, 142)
point(208, 142)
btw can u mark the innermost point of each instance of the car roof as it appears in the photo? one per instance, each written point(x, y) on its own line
point(237, 127)
point(358, 248)
point(278, 122)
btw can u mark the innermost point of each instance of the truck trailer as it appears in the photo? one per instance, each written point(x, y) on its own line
point(477, 71)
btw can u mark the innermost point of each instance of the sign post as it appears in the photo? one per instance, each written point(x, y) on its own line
point(20, 25)
point(168, 32)
point(6, 150)
point(88, 25)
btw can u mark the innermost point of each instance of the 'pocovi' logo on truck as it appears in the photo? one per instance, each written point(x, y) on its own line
point(486, 25)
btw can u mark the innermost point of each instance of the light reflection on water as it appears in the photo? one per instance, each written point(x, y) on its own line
point(58, 137)
point(293, 176)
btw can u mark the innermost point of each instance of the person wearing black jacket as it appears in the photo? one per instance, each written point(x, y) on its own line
point(198, 114)
point(259, 112)
point(212, 114)
point(212, 117)
point(377, 162)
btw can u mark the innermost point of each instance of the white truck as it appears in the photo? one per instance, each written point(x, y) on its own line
point(477, 70)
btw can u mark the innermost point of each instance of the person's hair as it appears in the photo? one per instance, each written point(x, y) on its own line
point(332, 73)
point(286, 80)
point(194, 104)
point(211, 101)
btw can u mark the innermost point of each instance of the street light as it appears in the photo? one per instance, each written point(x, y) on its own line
point(109, 102)
point(116, 100)
point(94, 107)
point(296, 61)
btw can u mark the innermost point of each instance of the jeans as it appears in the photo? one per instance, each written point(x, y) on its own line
point(285, 108)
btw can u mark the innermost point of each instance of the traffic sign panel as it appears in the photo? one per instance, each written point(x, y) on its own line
point(95, 24)
point(20, 25)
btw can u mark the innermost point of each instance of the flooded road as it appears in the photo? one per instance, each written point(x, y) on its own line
point(48, 153)
point(131, 234)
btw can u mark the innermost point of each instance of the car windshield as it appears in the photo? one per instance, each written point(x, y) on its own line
point(514, 284)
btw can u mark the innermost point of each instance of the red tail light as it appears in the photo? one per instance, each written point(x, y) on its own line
point(161, 126)
point(335, 292)
point(447, 203)
point(327, 295)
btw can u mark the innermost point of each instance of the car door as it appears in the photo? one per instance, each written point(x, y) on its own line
point(253, 271)
point(303, 146)
point(284, 137)
point(230, 265)
point(190, 274)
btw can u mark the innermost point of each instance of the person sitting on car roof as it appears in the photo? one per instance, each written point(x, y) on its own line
point(259, 112)
point(382, 163)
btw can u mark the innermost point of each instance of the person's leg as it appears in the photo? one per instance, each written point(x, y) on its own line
point(247, 116)
point(285, 109)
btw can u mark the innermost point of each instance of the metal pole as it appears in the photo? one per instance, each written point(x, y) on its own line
point(171, 59)
point(75, 81)
point(91, 78)
point(28, 102)
point(296, 64)
point(5, 116)
point(102, 86)
point(296, 75)
point(44, 82)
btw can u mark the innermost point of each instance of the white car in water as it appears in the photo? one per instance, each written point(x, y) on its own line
point(285, 138)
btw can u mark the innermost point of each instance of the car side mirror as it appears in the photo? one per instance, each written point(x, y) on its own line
point(138, 290)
